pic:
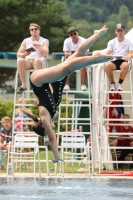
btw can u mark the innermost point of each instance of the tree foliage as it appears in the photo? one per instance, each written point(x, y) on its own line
point(89, 15)
point(6, 108)
point(56, 16)
point(17, 15)
point(6, 74)
point(96, 11)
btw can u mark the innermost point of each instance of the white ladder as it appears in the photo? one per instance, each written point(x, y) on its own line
point(26, 95)
point(127, 99)
point(74, 104)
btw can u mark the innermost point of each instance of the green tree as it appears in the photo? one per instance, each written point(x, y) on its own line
point(86, 10)
point(96, 11)
point(6, 74)
point(124, 14)
point(6, 108)
point(86, 28)
point(114, 5)
point(83, 27)
point(17, 15)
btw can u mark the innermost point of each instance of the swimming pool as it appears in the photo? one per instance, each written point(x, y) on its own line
point(65, 189)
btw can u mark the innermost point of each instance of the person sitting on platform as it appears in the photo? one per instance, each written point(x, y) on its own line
point(31, 59)
point(122, 51)
point(69, 47)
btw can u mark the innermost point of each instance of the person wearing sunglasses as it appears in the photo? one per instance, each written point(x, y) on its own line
point(70, 45)
point(49, 98)
point(29, 55)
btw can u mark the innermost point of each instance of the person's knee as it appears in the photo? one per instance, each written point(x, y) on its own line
point(37, 60)
point(37, 63)
point(124, 67)
point(21, 62)
point(107, 66)
point(52, 138)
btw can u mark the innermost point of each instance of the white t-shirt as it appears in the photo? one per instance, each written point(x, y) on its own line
point(34, 54)
point(69, 45)
point(120, 48)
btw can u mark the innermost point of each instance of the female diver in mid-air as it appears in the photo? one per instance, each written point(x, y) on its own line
point(56, 76)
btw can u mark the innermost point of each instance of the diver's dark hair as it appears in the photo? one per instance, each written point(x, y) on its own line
point(37, 127)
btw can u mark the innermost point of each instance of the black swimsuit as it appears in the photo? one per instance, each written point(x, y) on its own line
point(46, 98)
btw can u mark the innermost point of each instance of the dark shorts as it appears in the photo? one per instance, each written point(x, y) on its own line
point(118, 63)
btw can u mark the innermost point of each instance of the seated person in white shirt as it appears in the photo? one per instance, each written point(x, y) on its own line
point(122, 50)
point(69, 47)
point(29, 59)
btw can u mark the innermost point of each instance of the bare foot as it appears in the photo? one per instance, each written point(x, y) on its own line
point(102, 31)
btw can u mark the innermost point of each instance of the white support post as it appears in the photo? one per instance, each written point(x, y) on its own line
point(78, 80)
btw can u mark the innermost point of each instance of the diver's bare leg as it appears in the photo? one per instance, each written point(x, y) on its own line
point(86, 44)
point(54, 147)
point(74, 62)
point(58, 72)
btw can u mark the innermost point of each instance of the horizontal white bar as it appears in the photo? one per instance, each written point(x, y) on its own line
point(74, 105)
point(73, 133)
point(114, 147)
point(75, 91)
point(107, 161)
point(73, 146)
point(75, 123)
point(124, 92)
point(80, 99)
point(114, 119)
point(81, 119)
point(109, 106)
point(114, 124)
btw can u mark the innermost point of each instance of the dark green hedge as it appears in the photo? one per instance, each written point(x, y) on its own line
point(6, 108)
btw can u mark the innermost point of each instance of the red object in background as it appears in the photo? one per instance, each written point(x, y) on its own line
point(118, 173)
point(122, 129)
point(112, 111)
point(89, 140)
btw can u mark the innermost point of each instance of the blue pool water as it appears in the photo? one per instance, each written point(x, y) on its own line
point(65, 189)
